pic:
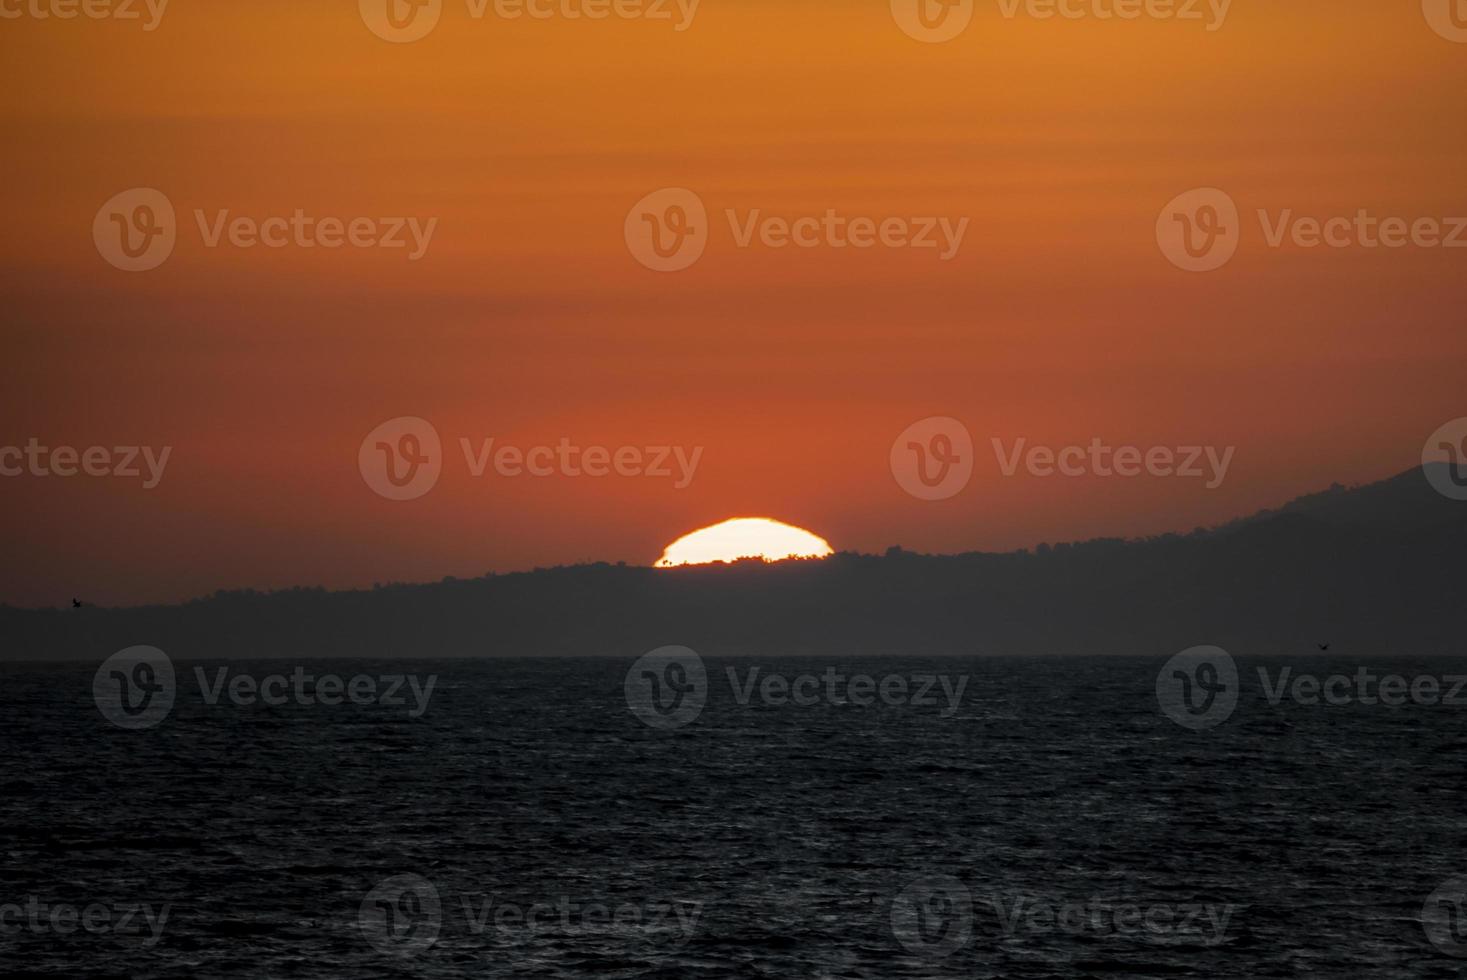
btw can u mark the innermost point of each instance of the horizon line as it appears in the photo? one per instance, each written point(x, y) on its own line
point(839, 552)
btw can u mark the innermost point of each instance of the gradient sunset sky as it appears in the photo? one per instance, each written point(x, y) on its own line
point(529, 321)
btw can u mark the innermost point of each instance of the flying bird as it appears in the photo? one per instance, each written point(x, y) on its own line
point(1322, 647)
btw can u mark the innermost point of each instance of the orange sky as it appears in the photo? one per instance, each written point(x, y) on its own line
point(528, 320)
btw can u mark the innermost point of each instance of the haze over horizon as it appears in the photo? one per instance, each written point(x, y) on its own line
point(1335, 489)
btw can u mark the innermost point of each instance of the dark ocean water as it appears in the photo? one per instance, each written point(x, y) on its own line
point(1032, 832)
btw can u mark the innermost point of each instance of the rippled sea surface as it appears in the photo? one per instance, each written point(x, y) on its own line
point(563, 837)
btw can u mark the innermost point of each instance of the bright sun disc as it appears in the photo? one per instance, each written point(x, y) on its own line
point(744, 537)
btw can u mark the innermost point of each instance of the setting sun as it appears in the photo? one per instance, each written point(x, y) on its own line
point(744, 537)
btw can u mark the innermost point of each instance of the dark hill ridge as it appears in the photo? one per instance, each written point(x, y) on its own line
point(1373, 570)
point(1406, 500)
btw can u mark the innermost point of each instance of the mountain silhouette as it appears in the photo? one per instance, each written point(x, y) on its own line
point(1378, 568)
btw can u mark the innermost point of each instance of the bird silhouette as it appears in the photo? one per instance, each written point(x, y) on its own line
point(1322, 647)
point(76, 603)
